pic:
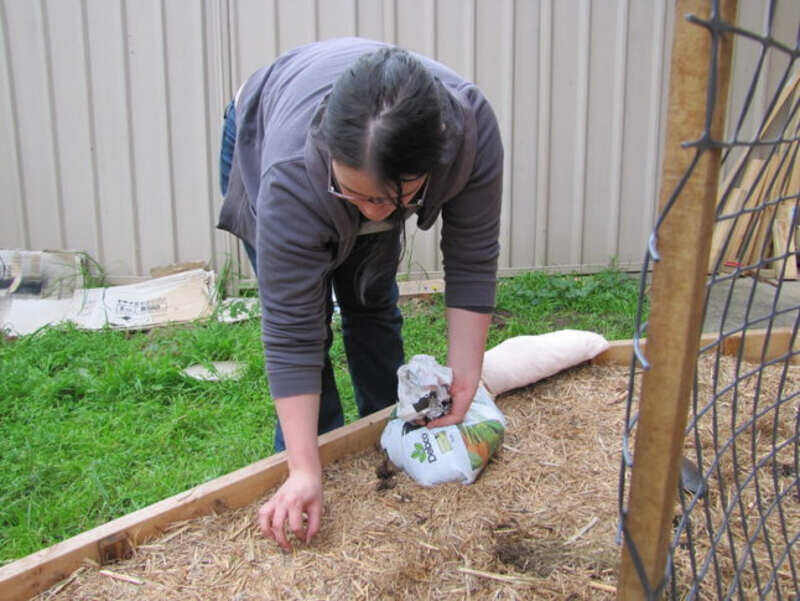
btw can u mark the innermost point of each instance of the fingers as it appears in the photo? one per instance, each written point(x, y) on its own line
point(456, 416)
point(290, 510)
point(458, 411)
point(277, 530)
point(296, 522)
point(265, 518)
point(446, 420)
point(271, 519)
point(299, 495)
point(314, 518)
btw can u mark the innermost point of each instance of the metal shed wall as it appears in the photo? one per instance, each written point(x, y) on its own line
point(110, 113)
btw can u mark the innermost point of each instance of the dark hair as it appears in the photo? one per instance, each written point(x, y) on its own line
point(385, 115)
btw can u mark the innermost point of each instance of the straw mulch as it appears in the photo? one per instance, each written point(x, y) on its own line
point(540, 523)
point(749, 522)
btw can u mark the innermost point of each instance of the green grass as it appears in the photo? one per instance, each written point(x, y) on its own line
point(94, 425)
point(605, 302)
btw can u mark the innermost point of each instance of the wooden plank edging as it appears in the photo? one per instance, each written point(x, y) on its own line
point(620, 352)
point(30, 575)
point(408, 288)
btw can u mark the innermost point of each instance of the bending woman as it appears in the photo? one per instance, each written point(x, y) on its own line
point(326, 153)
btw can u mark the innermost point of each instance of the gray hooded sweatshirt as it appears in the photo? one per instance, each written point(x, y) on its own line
point(278, 202)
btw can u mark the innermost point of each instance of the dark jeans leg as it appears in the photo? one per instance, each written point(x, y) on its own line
point(251, 254)
point(226, 147)
point(372, 326)
point(330, 407)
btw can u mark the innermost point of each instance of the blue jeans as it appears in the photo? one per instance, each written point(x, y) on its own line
point(227, 145)
point(371, 331)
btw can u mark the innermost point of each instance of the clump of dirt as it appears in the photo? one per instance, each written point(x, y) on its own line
point(539, 558)
point(385, 485)
point(543, 556)
point(385, 472)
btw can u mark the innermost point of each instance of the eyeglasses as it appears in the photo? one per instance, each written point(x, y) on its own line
point(417, 197)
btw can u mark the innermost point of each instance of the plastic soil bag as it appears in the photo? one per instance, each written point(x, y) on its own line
point(423, 389)
point(449, 454)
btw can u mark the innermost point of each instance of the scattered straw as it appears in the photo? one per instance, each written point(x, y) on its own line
point(511, 535)
point(174, 534)
point(121, 577)
point(500, 577)
point(551, 480)
point(54, 591)
point(592, 523)
point(603, 587)
point(755, 503)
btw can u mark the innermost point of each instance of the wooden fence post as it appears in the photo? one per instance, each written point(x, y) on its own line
point(678, 284)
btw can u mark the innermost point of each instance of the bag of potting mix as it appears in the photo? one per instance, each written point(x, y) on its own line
point(447, 454)
point(461, 452)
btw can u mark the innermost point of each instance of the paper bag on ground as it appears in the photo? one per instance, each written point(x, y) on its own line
point(177, 298)
point(181, 297)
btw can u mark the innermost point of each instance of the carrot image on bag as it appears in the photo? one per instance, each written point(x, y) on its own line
point(482, 441)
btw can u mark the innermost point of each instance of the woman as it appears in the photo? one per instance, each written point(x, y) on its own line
point(336, 144)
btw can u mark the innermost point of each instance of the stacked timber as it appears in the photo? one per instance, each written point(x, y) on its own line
point(757, 200)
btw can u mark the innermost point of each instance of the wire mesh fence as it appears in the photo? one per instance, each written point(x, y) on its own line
point(736, 527)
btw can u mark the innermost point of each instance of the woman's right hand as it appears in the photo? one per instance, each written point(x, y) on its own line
point(300, 496)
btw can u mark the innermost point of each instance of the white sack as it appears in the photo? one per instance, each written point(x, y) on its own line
point(523, 360)
point(451, 453)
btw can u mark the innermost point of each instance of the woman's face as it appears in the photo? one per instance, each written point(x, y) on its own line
point(369, 196)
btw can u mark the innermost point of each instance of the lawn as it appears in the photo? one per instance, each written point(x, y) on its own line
point(94, 425)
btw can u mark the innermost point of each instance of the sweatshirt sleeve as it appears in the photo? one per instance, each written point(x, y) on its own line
point(471, 220)
point(295, 255)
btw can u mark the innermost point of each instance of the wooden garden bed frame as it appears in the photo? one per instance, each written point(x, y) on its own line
point(30, 575)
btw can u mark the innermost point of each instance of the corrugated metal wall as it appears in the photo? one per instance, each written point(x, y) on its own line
point(110, 113)
point(109, 122)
